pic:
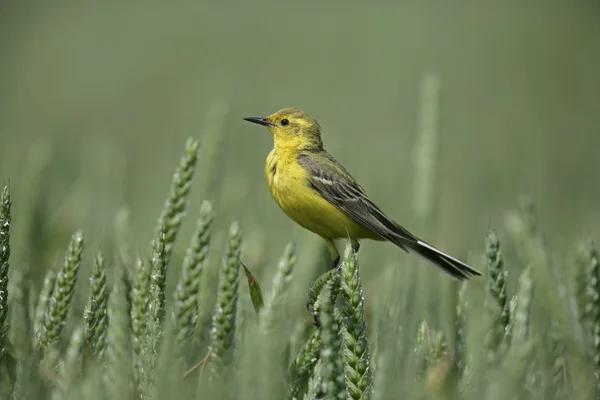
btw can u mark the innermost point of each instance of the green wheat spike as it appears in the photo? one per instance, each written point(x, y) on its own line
point(591, 295)
point(582, 283)
point(5, 221)
point(497, 281)
point(60, 300)
point(188, 287)
point(96, 322)
point(359, 378)
point(302, 366)
point(140, 298)
point(42, 307)
point(314, 387)
point(593, 306)
point(158, 279)
point(460, 330)
point(559, 374)
point(154, 318)
point(156, 308)
point(332, 373)
point(150, 351)
point(174, 209)
point(533, 253)
point(224, 319)
point(496, 298)
point(118, 357)
point(520, 328)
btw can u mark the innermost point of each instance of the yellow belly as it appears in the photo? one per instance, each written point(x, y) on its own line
point(288, 184)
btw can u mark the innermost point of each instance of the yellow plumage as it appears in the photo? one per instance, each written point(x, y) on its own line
point(290, 187)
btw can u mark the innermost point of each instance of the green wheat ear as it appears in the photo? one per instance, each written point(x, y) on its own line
point(96, 322)
point(188, 287)
point(156, 308)
point(62, 294)
point(174, 209)
point(42, 307)
point(521, 321)
point(589, 255)
point(315, 386)
point(359, 378)
point(303, 364)
point(5, 221)
point(496, 299)
point(118, 360)
point(460, 338)
point(168, 225)
point(154, 320)
point(224, 319)
point(560, 376)
point(140, 298)
point(332, 373)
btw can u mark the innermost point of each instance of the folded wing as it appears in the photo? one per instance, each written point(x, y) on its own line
point(337, 186)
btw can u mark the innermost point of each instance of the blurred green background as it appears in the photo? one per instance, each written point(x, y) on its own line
point(110, 90)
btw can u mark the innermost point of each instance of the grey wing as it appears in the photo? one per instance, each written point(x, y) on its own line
point(340, 189)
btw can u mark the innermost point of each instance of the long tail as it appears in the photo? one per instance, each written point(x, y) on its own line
point(450, 265)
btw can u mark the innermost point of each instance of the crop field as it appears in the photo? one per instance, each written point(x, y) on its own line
point(142, 256)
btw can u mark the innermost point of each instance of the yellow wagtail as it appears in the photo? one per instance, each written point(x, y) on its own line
point(316, 192)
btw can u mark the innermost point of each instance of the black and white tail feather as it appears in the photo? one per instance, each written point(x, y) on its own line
point(450, 265)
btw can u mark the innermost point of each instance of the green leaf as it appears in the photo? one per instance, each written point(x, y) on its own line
point(255, 292)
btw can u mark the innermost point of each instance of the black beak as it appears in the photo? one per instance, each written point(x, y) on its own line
point(259, 120)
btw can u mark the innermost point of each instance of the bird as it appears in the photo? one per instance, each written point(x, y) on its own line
point(314, 190)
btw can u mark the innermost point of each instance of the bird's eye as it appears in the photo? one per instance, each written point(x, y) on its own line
point(285, 122)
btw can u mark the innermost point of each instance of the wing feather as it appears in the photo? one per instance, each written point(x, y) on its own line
point(337, 186)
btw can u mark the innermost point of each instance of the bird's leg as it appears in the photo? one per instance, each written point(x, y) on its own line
point(335, 255)
point(336, 263)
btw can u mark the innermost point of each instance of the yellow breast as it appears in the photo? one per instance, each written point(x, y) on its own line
point(289, 185)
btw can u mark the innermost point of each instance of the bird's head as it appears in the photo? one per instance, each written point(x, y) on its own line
point(292, 127)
